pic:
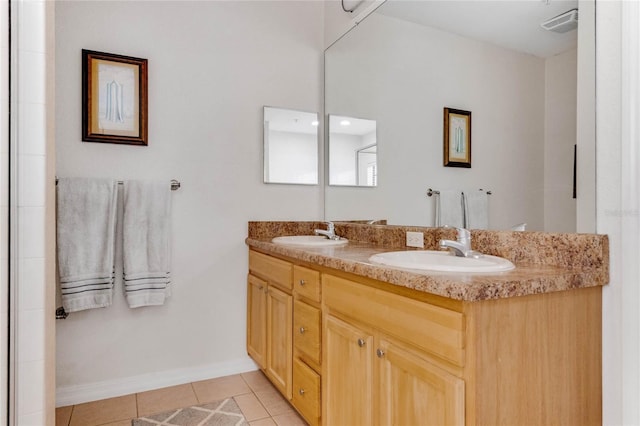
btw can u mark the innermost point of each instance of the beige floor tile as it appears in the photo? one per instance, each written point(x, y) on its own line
point(165, 399)
point(120, 423)
point(251, 407)
point(290, 419)
point(63, 415)
point(263, 422)
point(274, 402)
point(220, 388)
point(104, 411)
point(257, 381)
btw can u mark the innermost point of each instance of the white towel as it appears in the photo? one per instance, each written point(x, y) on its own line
point(476, 214)
point(86, 242)
point(146, 242)
point(449, 209)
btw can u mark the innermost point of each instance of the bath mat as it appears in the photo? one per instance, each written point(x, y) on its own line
point(220, 413)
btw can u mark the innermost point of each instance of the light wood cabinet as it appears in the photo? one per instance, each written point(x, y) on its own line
point(270, 319)
point(306, 391)
point(413, 390)
point(257, 320)
point(370, 379)
point(347, 374)
point(307, 338)
point(524, 360)
point(306, 331)
point(279, 340)
point(347, 350)
point(284, 329)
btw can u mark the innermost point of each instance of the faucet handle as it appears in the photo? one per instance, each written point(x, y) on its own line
point(330, 226)
point(463, 235)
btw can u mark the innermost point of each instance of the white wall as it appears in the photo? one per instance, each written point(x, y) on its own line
point(559, 142)
point(403, 81)
point(337, 21)
point(212, 68)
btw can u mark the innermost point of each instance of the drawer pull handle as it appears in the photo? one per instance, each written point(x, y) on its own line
point(302, 282)
point(302, 330)
point(361, 342)
point(261, 287)
point(380, 353)
point(301, 391)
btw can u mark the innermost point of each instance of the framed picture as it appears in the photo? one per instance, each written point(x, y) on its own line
point(114, 98)
point(457, 138)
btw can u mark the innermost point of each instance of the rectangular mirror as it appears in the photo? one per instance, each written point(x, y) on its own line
point(353, 151)
point(290, 146)
point(408, 60)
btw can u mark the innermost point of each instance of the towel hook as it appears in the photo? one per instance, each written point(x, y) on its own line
point(431, 192)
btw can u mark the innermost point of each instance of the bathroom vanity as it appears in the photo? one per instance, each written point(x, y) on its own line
point(348, 342)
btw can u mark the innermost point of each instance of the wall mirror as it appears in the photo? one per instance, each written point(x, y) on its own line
point(408, 60)
point(353, 151)
point(290, 146)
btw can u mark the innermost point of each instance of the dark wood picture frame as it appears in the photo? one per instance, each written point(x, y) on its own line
point(114, 98)
point(457, 138)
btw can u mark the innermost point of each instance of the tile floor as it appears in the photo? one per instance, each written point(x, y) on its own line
point(260, 402)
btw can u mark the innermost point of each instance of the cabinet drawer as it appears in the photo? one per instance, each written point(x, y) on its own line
point(274, 270)
point(306, 282)
point(306, 330)
point(437, 330)
point(306, 391)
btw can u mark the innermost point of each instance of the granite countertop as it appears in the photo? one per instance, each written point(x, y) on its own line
point(532, 275)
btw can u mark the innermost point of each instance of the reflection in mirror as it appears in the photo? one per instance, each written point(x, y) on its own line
point(409, 59)
point(290, 146)
point(353, 151)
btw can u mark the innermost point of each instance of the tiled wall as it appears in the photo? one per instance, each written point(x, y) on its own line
point(29, 147)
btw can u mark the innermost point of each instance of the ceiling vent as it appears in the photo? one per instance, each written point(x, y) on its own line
point(562, 23)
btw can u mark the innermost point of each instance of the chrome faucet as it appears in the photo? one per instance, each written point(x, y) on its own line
point(461, 247)
point(330, 233)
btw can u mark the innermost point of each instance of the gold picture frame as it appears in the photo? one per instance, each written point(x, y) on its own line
point(457, 138)
point(114, 98)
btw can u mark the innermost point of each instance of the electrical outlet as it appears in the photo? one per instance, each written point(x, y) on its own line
point(415, 239)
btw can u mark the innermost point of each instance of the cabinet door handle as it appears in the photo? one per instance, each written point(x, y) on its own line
point(361, 342)
point(302, 282)
point(380, 353)
point(261, 287)
point(302, 330)
point(301, 391)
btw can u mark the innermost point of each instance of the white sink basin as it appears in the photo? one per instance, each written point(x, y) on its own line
point(441, 261)
point(309, 241)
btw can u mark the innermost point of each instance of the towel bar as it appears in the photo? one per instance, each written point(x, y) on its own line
point(175, 184)
point(61, 313)
point(431, 192)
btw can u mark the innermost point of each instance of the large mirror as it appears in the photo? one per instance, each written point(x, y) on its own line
point(410, 59)
point(353, 151)
point(290, 146)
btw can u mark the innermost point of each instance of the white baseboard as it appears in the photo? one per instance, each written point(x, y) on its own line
point(78, 394)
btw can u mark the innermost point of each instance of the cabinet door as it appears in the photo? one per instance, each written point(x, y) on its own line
point(279, 339)
point(257, 320)
point(347, 374)
point(414, 391)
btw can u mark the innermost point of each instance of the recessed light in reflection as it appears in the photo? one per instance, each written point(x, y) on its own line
point(345, 123)
point(315, 123)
